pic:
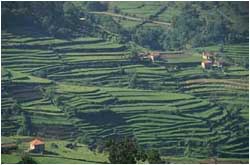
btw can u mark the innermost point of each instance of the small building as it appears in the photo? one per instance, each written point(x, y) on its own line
point(208, 55)
point(149, 55)
point(37, 146)
point(154, 56)
point(206, 64)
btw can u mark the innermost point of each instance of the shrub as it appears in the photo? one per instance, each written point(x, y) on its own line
point(154, 157)
point(71, 145)
point(96, 6)
point(54, 145)
point(27, 159)
point(122, 151)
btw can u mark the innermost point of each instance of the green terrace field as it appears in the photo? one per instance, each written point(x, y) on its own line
point(144, 10)
point(81, 88)
point(139, 9)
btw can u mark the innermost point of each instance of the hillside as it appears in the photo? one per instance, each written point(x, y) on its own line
point(88, 88)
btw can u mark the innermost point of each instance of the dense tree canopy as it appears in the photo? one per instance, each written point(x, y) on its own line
point(197, 24)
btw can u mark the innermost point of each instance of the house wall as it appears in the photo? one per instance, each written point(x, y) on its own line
point(203, 65)
point(32, 146)
point(39, 148)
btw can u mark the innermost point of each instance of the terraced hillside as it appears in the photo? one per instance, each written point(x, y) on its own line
point(81, 88)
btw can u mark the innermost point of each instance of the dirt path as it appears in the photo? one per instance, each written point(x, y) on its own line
point(131, 18)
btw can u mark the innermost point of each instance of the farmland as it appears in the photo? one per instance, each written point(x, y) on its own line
point(91, 81)
point(87, 88)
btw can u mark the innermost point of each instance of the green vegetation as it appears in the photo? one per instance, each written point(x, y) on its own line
point(80, 155)
point(85, 80)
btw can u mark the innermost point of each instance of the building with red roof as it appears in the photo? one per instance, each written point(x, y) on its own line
point(206, 64)
point(37, 146)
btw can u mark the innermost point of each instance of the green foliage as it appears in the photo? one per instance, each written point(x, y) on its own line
point(54, 145)
point(148, 113)
point(115, 9)
point(133, 52)
point(148, 37)
point(153, 157)
point(27, 159)
point(96, 6)
point(124, 151)
point(60, 19)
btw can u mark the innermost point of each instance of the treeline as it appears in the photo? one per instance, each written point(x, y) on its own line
point(59, 19)
point(197, 24)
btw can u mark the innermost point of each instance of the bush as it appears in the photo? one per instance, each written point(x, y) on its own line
point(96, 6)
point(154, 157)
point(122, 151)
point(54, 145)
point(115, 9)
point(27, 159)
point(71, 145)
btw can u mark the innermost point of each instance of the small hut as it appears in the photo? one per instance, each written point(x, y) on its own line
point(206, 64)
point(154, 56)
point(37, 146)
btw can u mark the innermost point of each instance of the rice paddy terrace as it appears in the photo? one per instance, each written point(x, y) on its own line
point(80, 88)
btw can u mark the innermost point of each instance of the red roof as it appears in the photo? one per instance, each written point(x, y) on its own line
point(36, 142)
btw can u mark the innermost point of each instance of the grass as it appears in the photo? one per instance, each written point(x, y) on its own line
point(81, 154)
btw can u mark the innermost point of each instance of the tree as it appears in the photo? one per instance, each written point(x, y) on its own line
point(115, 9)
point(133, 52)
point(148, 37)
point(153, 157)
point(27, 159)
point(124, 151)
point(96, 6)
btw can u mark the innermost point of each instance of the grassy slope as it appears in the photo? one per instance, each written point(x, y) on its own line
point(89, 81)
point(80, 155)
